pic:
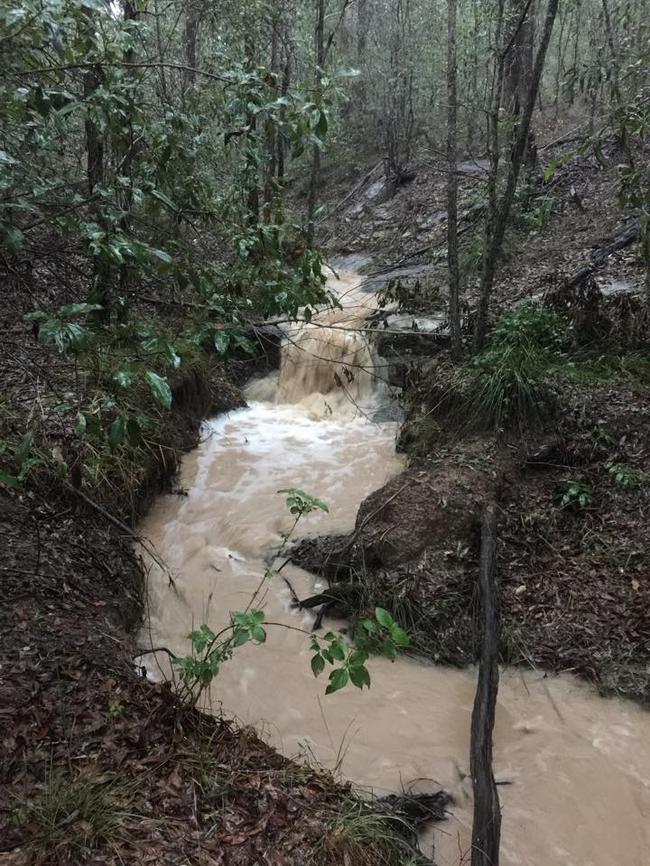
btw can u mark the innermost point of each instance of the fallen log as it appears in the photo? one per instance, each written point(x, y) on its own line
point(486, 827)
point(599, 256)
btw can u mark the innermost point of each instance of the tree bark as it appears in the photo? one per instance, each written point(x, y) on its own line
point(100, 290)
point(319, 45)
point(495, 233)
point(452, 184)
point(270, 131)
point(191, 30)
point(486, 826)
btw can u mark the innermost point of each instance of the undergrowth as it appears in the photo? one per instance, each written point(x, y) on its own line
point(356, 835)
point(507, 384)
point(73, 815)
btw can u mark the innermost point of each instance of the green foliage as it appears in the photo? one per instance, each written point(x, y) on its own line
point(507, 383)
point(210, 650)
point(576, 496)
point(61, 328)
point(20, 459)
point(378, 636)
point(624, 475)
point(300, 503)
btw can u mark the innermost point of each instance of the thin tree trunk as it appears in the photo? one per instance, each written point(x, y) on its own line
point(128, 146)
point(100, 290)
point(286, 81)
point(319, 44)
point(191, 30)
point(452, 184)
point(161, 55)
point(495, 234)
point(270, 131)
point(486, 826)
point(253, 192)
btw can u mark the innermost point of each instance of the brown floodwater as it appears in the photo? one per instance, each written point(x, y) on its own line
point(575, 767)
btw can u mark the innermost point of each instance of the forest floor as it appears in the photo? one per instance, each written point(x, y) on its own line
point(575, 576)
point(100, 766)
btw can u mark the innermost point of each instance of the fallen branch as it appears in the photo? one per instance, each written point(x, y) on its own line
point(347, 198)
point(623, 239)
point(486, 827)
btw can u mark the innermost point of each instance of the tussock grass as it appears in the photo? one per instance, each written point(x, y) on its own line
point(508, 384)
point(357, 836)
point(72, 815)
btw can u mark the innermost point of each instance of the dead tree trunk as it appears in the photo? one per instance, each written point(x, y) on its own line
point(452, 184)
point(486, 827)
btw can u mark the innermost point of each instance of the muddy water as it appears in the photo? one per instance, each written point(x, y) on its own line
point(576, 767)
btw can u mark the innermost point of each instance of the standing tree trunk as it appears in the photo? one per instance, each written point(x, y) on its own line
point(497, 221)
point(252, 186)
point(363, 22)
point(486, 826)
point(128, 147)
point(270, 131)
point(191, 30)
point(100, 292)
point(286, 81)
point(319, 45)
point(452, 184)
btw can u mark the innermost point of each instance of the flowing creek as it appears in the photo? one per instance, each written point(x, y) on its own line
point(575, 767)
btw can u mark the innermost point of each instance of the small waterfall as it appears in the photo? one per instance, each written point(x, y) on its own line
point(327, 364)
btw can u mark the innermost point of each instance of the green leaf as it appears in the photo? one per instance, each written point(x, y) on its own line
point(164, 199)
point(221, 342)
point(359, 676)
point(258, 634)
point(399, 636)
point(338, 680)
point(123, 378)
point(12, 238)
point(317, 664)
point(8, 480)
point(162, 256)
point(201, 637)
point(116, 432)
point(80, 426)
point(159, 388)
point(244, 343)
point(384, 618)
point(241, 636)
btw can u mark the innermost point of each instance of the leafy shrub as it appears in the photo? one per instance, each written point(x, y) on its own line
point(576, 496)
point(624, 476)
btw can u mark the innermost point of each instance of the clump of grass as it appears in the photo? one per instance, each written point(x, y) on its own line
point(357, 836)
point(214, 782)
point(507, 384)
point(72, 815)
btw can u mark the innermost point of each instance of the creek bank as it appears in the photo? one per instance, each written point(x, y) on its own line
point(99, 765)
point(575, 583)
